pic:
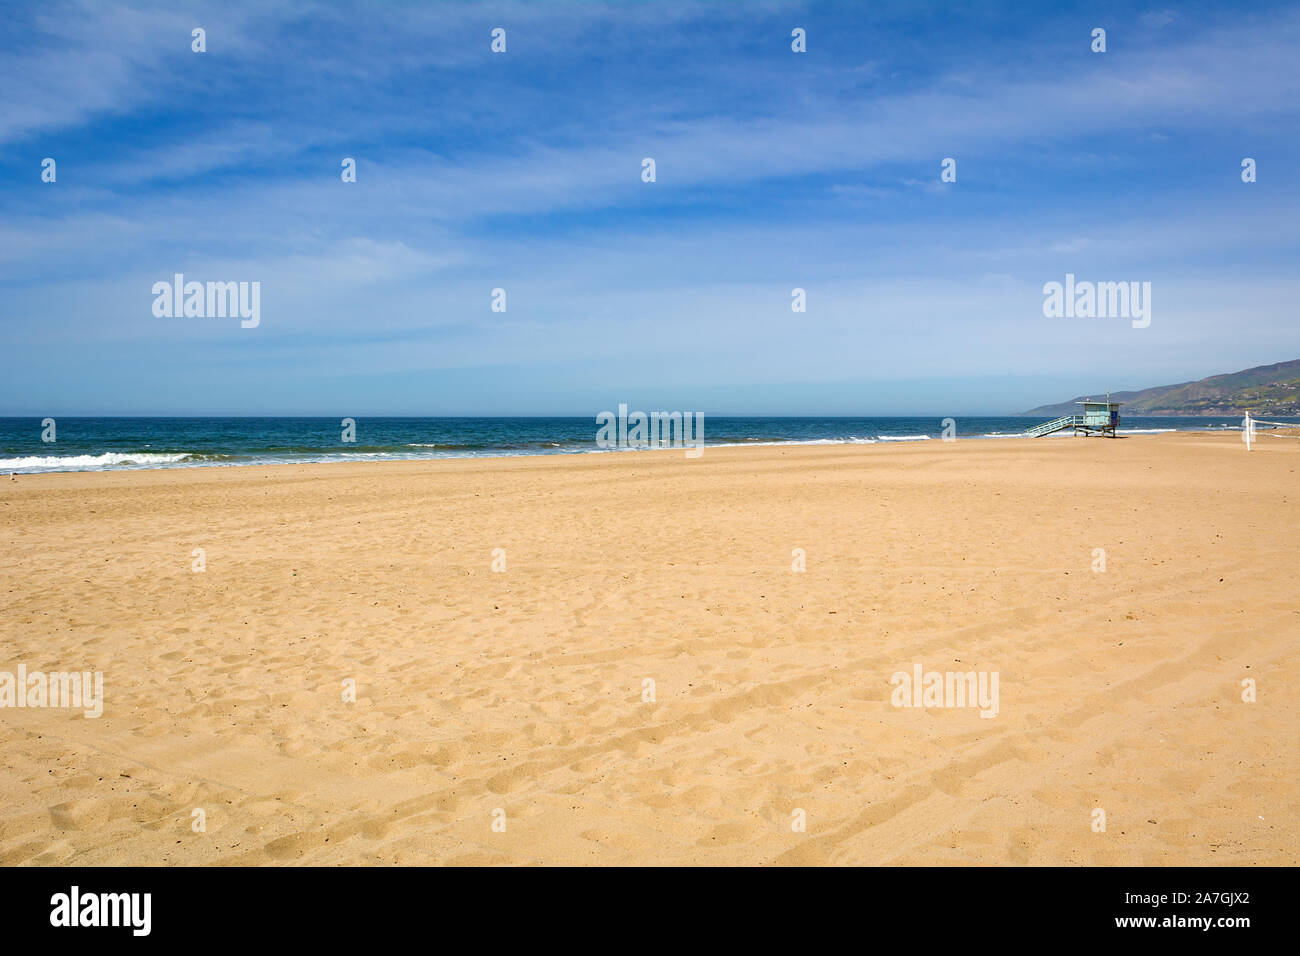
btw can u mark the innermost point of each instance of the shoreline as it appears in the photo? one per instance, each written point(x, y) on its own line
point(393, 458)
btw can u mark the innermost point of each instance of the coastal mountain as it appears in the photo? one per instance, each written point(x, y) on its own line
point(1263, 391)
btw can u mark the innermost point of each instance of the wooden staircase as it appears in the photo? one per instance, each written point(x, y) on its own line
point(1069, 421)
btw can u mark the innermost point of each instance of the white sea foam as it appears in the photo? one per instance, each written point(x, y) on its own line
point(902, 437)
point(796, 441)
point(88, 462)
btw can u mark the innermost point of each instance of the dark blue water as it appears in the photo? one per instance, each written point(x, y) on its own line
point(98, 444)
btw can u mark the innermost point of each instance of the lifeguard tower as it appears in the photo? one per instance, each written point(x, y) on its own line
point(1098, 418)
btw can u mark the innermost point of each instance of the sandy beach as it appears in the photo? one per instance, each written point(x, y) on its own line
point(504, 716)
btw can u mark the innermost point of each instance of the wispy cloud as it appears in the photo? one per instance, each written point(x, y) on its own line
point(522, 171)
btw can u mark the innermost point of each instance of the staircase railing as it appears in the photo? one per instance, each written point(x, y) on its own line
point(1054, 426)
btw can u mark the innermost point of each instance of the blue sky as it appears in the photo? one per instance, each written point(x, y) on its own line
point(522, 171)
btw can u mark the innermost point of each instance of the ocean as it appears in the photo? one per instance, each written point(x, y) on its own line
point(111, 444)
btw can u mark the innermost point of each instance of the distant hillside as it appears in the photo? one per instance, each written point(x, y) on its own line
point(1266, 390)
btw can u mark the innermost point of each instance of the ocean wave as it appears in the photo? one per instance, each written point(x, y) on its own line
point(95, 462)
point(774, 442)
point(903, 437)
point(481, 446)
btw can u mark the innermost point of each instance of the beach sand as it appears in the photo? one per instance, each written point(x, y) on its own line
point(522, 691)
